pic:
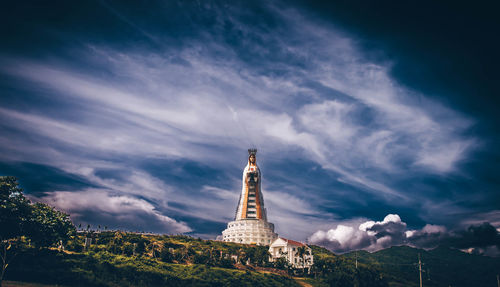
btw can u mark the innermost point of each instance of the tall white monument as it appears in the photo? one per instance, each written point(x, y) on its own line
point(250, 224)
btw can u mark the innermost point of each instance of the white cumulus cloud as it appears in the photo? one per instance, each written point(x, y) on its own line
point(375, 235)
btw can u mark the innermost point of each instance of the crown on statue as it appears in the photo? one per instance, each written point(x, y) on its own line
point(252, 151)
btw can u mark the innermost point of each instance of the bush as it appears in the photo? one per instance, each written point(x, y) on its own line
point(75, 245)
point(128, 248)
point(166, 255)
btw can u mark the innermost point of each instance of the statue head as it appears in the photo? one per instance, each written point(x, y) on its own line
point(251, 155)
point(252, 159)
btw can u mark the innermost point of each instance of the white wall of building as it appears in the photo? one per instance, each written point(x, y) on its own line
point(284, 248)
point(249, 231)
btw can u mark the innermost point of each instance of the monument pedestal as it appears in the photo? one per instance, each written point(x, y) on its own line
point(250, 231)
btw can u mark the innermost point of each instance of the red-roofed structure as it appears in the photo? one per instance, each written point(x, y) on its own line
point(289, 249)
point(293, 242)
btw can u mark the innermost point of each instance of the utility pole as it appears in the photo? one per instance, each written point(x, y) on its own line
point(420, 269)
point(356, 282)
point(498, 281)
point(357, 260)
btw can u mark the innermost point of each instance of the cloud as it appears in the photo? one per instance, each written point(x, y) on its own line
point(371, 235)
point(292, 215)
point(428, 237)
point(483, 239)
point(102, 207)
point(482, 236)
point(493, 217)
point(375, 235)
point(207, 100)
point(298, 86)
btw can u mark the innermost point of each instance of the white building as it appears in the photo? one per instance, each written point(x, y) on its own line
point(289, 249)
point(250, 224)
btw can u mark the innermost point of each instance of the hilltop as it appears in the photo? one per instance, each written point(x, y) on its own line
point(128, 259)
point(442, 266)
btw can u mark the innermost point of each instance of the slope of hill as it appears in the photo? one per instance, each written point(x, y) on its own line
point(440, 267)
point(127, 259)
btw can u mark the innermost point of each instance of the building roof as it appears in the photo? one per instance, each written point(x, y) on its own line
point(292, 242)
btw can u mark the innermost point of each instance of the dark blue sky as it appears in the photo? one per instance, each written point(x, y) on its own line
point(376, 123)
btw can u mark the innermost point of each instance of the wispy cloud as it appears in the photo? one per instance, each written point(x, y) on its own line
point(100, 206)
point(309, 91)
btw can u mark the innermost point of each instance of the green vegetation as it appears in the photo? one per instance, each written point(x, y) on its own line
point(47, 249)
point(39, 244)
point(24, 223)
point(106, 269)
point(339, 271)
point(441, 266)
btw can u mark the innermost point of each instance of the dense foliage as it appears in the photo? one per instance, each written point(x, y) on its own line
point(24, 223)
point(14, 209)
point(48, 250)
point(440, 267)
point(48, 226)
point(172, 249)
point(339, 271)
point(106, 269)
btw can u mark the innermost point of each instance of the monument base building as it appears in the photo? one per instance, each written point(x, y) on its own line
point(250, 231)
point(250, 224)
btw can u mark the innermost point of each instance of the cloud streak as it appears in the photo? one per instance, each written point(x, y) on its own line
point(297, 86)
point(118, 211)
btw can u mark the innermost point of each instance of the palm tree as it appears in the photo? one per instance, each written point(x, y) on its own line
point(302, 251)
point(241, 256)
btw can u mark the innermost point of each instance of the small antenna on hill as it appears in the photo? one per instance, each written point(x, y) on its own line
point(356, 259)
point(420, 269)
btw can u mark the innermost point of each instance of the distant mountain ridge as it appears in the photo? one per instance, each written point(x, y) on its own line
point(442, 266)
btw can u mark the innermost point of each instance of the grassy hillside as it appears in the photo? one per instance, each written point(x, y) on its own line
point(441, 266)
point(106, 269)
point(128, 259)
point(340, 271)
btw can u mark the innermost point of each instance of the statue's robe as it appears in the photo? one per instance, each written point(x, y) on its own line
point(251, 203)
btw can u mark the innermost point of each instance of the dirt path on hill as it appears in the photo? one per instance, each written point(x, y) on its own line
point(302, 282)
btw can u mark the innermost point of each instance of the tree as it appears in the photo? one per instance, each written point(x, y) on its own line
point(48, 226)
point(242, 256)
point(281, 263)
point(259, 255)
point(301, 253)
point(42, 224)
point(140, 247)
point(14, 214)
point(128, 248)
point(14, 208)
point(166, 255)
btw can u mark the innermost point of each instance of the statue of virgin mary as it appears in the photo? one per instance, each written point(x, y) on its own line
point(251, 203)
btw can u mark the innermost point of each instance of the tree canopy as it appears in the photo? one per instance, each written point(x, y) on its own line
point(38, 222)
point(14, 209)
point(48, 226)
